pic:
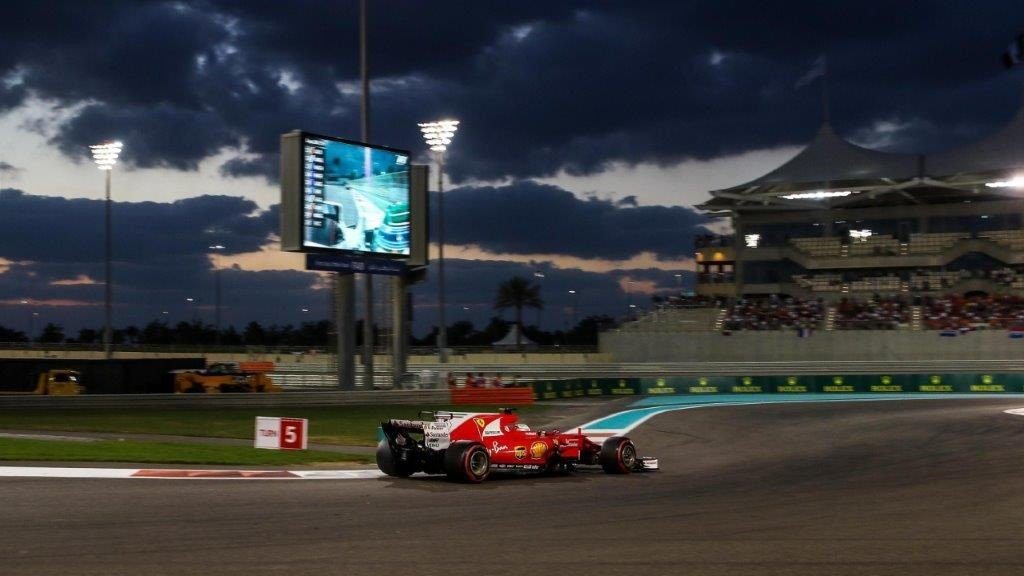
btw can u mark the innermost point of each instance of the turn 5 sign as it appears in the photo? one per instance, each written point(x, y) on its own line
point(281, 433)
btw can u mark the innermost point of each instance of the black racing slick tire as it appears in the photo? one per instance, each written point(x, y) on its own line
point(389, 463)
point(466, 461)
point(618, 455)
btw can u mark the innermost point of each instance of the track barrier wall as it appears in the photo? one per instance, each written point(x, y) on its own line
point(802, 384)
point(501, 396)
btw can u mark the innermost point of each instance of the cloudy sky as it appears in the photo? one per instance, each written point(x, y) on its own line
point(588, 130)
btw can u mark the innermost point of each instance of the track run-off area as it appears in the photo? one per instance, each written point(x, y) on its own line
point(903, 485)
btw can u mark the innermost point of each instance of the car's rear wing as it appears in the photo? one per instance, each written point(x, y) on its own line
point(439, 415)
point(404, 425)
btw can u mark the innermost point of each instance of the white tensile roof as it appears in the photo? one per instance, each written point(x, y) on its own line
point(510, 338)
point(829, 161)
point(847, 174)
point(999, 153)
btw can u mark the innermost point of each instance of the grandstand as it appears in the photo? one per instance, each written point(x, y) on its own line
point(844, 238)
point(840, 220)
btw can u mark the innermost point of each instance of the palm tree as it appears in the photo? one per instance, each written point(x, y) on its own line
point(518, 292)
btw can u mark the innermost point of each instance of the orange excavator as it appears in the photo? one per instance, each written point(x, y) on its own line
point(53, 383)
point(226, 377)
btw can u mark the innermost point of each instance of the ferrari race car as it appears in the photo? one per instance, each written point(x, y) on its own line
point(468, 447)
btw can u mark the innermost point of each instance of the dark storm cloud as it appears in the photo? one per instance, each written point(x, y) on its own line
point(162, 136)
point(532, 218)
point(160, 259)
point(540, 87)
point(58, 229)
point(265, 165)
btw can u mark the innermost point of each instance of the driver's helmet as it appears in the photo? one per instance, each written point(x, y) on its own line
point(509, 422)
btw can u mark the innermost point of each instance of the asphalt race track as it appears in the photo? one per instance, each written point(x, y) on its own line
point(930, 487)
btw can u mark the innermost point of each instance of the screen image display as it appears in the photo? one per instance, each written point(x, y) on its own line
point(355, 197)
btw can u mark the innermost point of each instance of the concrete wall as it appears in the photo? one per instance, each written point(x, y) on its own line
point(822, 346)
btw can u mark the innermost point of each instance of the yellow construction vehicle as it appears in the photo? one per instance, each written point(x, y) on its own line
point(226, 377)
point(54, 383)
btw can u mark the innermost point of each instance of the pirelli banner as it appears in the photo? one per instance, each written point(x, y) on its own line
point(803, 384)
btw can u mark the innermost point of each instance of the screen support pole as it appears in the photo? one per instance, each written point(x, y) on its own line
point(344, 312)
point(442, 330)
point(399, 334)
point(364, 70)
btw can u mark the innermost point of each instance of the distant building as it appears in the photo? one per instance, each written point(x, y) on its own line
point(840, 220)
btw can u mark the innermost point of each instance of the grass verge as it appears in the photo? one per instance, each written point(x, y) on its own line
point(163, 453)
point(345, 425)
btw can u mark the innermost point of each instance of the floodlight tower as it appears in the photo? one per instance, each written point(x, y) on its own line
point(216, 248)
point(438, 135)
point(575, 301)
point(105, 155)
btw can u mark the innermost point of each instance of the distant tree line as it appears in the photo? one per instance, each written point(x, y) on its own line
point(311, 334)
point(515, 293)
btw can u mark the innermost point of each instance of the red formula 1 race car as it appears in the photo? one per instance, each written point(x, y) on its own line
point(468, 447)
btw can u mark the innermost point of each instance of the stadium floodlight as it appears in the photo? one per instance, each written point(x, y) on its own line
point(438, 136)
point(818, 195)
point(105, 156)
point(1015, 182)
point(752, 240)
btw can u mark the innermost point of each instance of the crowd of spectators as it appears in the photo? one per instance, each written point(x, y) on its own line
point(774, 313)
point(973, 312)
point(917, 311)
point(480, 381)
point(878, 313)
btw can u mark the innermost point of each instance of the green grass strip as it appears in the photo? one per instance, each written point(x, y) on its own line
point(345, 425)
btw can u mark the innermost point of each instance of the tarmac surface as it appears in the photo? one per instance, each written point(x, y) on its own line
point(897, 487)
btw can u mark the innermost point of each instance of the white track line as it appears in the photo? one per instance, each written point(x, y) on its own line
point(176, 474)
point(47, 472)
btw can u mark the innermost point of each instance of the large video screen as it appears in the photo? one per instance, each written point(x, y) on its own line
point(355, 197)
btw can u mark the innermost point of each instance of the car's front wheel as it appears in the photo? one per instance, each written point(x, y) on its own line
point(618, 455)
point(466, 461)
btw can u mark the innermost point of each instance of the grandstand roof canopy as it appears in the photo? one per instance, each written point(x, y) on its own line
point(832, 172)
point(997, 156)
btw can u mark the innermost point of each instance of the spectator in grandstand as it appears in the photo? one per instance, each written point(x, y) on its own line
point(450, 380)
point(876, 314)
point(774, 314)
point(481, 381)
point(497, 383)
point(998, 311)
point(470, 381)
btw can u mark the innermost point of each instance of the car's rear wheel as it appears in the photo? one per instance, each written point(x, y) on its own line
point(389, 463)
point(467, 462)
point(618, 455)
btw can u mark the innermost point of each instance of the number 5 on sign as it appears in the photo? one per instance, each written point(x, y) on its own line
point(281, 433)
